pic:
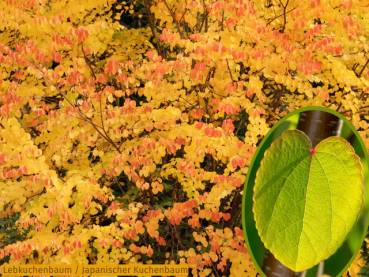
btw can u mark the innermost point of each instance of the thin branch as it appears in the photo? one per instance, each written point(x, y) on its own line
point(230, 73)
point(216, 271)
point(117, 182)
point(362, 70)
point(175, 20)
point(280, 15)
point(284, 16)
point(152, 27)
point(205, 18)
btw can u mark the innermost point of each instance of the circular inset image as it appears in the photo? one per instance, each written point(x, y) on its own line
point(304, 210)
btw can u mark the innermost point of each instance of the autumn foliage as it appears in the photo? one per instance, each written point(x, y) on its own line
point(131, 145)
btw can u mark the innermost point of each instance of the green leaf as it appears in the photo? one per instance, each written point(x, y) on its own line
point(163, 205)
point(122, 35)
point(306, 201)
point(133, 191)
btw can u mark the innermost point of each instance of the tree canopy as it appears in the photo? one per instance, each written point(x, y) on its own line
point(127, 128)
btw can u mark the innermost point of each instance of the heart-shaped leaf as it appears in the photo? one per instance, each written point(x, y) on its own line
point(307, 201)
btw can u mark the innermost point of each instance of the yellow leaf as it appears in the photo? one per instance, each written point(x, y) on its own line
point(335, 3)
point(162, 150)
point(118, 93)
point(111, 98)
point(42, 158)
point(172, 135)
point(292, 65)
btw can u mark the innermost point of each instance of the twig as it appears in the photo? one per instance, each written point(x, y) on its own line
point(230, 73)
point(175, 19)
point(284, 16)
point(116, 181)
point(280, 15)
point(216, 271)
point(152, 27)
point(363, 68)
